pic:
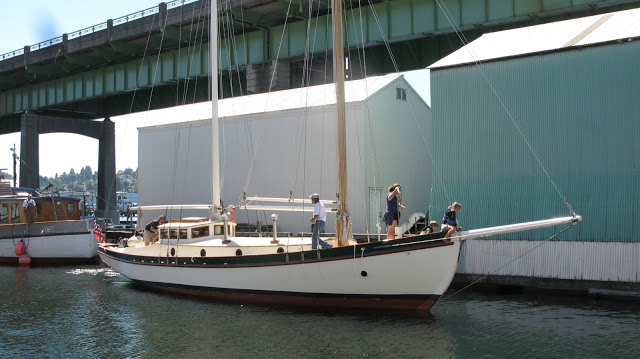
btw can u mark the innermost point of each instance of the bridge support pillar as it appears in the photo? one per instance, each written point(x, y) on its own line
point(29, 151)
point(107, 173)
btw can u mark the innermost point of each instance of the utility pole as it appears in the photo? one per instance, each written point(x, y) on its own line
point(15, 157)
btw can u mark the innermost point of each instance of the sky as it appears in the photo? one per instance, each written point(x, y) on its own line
point(32, 21)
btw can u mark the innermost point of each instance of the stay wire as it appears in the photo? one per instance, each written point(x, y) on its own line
point(495, 92)
point(506, 264)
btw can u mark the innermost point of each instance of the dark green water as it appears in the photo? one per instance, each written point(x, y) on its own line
point(92, 312)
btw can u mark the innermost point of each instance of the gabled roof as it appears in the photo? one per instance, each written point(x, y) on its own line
point(556, 36)
point(299, 98)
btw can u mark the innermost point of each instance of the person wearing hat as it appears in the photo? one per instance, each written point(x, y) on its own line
point(391, 214)
point(29, 206)
point(231, 213)
point(431, 228)
point(319, 220)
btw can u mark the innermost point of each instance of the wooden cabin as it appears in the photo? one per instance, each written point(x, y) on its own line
point(48, 209)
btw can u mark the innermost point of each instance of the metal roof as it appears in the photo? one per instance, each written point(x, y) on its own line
point(299, 98)
point(556, 36)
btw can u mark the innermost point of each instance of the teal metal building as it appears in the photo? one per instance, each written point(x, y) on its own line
point(562, 99)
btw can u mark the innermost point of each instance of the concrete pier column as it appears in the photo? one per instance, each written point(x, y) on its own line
point(107, 173)
point(29, 151)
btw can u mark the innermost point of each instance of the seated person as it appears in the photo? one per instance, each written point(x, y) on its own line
point(431, 228)
point(449, 221)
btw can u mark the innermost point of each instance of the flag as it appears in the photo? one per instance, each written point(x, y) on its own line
point(97, 230)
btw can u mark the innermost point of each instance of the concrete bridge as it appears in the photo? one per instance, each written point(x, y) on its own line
point(113, 68)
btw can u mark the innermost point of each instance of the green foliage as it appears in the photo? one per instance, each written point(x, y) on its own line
point(87, 180)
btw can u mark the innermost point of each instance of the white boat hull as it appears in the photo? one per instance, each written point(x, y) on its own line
point(404, 273)
point(48, 243)
point(395, 278)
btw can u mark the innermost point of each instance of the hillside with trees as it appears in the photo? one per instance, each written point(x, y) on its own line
point(87, 180)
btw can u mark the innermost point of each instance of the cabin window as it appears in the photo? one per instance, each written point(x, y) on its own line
point(173, 234)
point(183, 234)
point(4, 212)
point(15, 213)
point(70, 207)
point(164, 233)
point(38, 208)
point(218, 230)
point(198, 232)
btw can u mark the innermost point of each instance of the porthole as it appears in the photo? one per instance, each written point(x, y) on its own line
point(238, 252)
point(203, 253)
point(173, 251)
point(280, 250)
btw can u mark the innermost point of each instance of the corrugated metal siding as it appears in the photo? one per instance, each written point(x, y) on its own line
point(580, 111)
point(619, 262)
point(396, 149)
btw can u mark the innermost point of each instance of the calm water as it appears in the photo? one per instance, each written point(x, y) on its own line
point(91, 311)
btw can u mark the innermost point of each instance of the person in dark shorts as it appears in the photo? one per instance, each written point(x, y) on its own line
point(391, 214)
point(449, 221)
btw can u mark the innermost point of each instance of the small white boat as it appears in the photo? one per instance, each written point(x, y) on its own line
point(57, 236)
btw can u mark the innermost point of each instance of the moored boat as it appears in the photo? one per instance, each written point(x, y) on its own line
point(203, 257)
point(58, 235)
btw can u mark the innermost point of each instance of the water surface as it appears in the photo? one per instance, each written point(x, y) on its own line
point(91, 311)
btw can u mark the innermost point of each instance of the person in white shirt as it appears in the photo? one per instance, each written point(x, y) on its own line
point(29, 209)
point(319, 220)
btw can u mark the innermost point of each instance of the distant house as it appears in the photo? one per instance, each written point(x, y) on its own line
point(283, 144)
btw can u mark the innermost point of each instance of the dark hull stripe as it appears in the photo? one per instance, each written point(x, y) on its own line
point(311, 256)
point(396, 302)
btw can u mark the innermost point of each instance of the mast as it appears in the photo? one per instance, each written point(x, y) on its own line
point(215, 141)
point(343, 228)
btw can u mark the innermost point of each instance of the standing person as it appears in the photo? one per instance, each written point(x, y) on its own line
point(29, 206)
point(231, 213)
point(319, 220)
point(391, 213)
point(151, 230)
point(449, 221)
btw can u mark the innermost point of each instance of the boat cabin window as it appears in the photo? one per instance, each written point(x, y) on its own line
point(198, 232)
point(70, 207)
point(38, 208)
point(173, 233)
point(218, 230)
point(4, 212)
point(15, 212)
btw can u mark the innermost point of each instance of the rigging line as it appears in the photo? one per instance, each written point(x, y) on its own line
point(284, 27)
point(426, 144)
point(495, 92)
point(306, 75)
point(184, 100)
point(384, 37)
point(251, 149)
point(178, 133)
point(506, 264)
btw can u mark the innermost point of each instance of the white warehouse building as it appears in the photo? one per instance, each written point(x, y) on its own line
point(283, 144)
